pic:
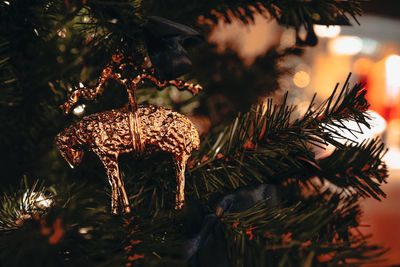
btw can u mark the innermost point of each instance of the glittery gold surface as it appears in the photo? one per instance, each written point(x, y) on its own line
point(108, 134)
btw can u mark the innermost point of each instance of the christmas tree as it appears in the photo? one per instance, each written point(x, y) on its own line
point(254, 193)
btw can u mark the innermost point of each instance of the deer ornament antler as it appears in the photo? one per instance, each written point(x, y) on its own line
point(123, 70)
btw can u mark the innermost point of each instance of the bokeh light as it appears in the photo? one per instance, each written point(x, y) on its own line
point(301, 79)
point(363, 66)
point(392, 65)
point(345, 45)
point(369, 46)
point(79, 110)
point(327, 31)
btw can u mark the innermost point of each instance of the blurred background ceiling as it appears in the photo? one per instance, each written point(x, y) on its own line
point(382, 7)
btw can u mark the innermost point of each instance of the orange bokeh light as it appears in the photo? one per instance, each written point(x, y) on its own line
point(363, 66)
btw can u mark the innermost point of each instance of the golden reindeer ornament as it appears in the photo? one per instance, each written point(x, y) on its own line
point(131, 128)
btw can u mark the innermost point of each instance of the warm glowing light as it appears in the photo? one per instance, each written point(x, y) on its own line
point(378, 123)
point(79, 110)
point(43, 202)
point(393, 133)
point(301, 79)
point(392, 65)
point(85, 230)
point(363, 65)
point(392, 158)
point(36, 200)
point(327, 31)
point(62, 33)
point(345, 45)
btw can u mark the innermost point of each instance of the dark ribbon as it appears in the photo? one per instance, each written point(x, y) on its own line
point(208, 246)
point(166, 42)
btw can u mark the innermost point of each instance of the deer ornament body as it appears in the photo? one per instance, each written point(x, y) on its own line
point(108, 134)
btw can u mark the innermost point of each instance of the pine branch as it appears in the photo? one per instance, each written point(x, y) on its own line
point(359, 167)
point(345, 105)
point(22, 204)
point(300, 234)
point(112, 24)
point(266, 145)
point(118, 24)
point(75, 230)
point(289, 12)
point(84, 233)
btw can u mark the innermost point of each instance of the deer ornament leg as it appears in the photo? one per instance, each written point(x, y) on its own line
point(180, 162)
point(118, 193)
